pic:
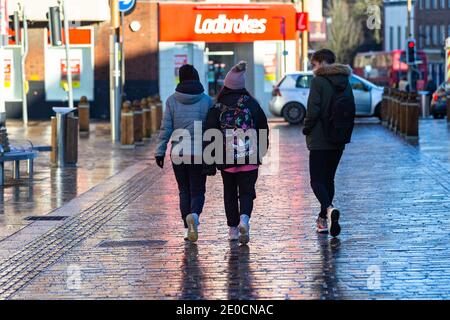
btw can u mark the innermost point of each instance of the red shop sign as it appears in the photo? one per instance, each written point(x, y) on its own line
point(225, 23)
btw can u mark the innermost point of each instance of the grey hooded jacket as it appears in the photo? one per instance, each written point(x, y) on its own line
point(182, 110)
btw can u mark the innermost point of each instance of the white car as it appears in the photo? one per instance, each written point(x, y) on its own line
point(290, 97)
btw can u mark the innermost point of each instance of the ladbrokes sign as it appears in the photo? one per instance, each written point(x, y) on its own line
point(225, 23)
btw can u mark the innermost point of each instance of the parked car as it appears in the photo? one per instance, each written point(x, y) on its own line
point(290, 96)
point(438, 105)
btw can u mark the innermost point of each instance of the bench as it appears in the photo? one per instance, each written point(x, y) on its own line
point(15, 157)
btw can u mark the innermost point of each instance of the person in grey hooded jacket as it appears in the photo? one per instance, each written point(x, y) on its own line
point(185, 111)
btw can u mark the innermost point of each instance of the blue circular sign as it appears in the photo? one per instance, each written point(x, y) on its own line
point(125, 5)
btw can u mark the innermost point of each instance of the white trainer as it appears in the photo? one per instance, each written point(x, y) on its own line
point(244, 229)
point(233, 233)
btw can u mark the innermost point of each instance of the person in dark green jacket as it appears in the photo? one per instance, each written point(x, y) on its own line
point(324, 156)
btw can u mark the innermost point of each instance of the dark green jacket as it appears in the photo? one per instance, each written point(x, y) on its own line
point(320, 95)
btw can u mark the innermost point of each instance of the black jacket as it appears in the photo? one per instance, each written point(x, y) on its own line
point(230, 97)
point(323, 85)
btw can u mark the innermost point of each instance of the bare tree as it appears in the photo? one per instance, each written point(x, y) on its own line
point(344, 31)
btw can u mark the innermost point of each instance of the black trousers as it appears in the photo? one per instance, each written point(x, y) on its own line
point(239, 193)
point(322, 169)
point(191, 186)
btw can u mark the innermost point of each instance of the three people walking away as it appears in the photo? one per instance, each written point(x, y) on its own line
point(328, 127)
point(186, 106)
point(245, 141)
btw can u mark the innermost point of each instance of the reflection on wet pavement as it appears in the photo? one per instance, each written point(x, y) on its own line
point(98, 159)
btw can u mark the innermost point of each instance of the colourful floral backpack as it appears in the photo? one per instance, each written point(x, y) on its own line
point(237, 125)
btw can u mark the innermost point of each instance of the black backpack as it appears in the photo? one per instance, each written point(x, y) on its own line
point(339, 118)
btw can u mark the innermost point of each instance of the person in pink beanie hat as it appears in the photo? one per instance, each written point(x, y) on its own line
point(235, 78)
point(245, 132)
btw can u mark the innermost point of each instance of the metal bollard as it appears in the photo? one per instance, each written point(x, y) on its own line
point(127, 126)
point(83, 114)
point(63, 137)
point(147, 120)
point(137, 123)
point(53, 143)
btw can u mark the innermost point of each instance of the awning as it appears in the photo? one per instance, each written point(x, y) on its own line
point(77, 10)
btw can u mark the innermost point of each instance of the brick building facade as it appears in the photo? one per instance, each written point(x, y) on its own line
point(141, 52)
point(432, 27)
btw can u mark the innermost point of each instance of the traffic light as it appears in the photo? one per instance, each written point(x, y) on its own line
point(55, 26)
point(411, 51)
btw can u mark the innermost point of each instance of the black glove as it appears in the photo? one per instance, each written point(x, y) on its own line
point(306, 131)
point(209, 170)
point(159, 161)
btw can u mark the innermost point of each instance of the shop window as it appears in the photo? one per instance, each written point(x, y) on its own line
point(442, 33)
point(421, 35)
point(435, 35)
point(304, 81)
point(391, 38)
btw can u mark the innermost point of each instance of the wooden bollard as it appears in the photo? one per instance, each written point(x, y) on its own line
point(138, 123)
point(388, 109)
point(154, 117)
point(53, 141)
point(384, 104)
point(127, 126)
point(159, 110)
point(413, 112)
point(402, 114)
point(394, 112)
point(83, 114)
point(71, 147)
point(147, 119)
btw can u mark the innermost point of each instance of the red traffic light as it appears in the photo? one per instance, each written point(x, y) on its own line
point(411, 44)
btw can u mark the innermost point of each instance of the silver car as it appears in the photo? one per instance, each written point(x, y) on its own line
point(290, 97)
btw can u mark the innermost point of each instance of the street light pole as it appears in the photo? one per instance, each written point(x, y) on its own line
point(114, 71)
point(24, 51)
point(305, 40)
point(3, 42)
point(409, 75)
point(62, 3)
point(283, 32)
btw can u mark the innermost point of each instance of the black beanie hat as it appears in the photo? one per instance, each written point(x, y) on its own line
point(188, 72)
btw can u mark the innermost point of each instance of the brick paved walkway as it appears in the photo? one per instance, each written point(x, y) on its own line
point(98, 159)
point(125, 240)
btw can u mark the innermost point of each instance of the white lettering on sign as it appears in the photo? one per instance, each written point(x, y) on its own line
point(223, 25)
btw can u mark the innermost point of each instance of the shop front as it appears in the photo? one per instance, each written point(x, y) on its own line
point(214, 37)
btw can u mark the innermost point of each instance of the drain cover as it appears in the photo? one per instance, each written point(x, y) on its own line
point(45, 218)
point(132, 243)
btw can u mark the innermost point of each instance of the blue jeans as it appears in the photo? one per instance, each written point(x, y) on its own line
point(191, 186)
